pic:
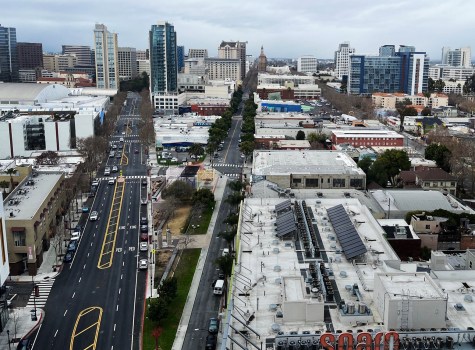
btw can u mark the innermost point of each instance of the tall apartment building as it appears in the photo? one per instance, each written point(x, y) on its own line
point(58, 63)
point(8, 55)
point(107, 67)
point(163, 58)
point(223, 69)
point(197, 53)
point(127, 58)
point(180, 57)
point(387, 50)
point(30, 55)
point(307, 64)
point(234, 50)
point(143, 66)
point(461, 57)
point(83, 54)
point(406, 71)
point(342, 59)
point(164, 68)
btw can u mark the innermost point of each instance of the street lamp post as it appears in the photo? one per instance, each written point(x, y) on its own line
point(151, 286)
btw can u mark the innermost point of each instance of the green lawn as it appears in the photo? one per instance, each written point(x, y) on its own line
point(184, 273)
point(203, 222)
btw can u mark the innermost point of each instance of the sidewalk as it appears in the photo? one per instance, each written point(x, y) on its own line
point(200, 242)
point(20, 323)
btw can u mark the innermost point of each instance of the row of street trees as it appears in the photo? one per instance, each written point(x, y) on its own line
point(248, 127)
point(386, 168)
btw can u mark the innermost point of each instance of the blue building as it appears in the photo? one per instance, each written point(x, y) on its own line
point(280, 106)
point(163, 58)
point(8, 55)
point(404, 71)
point(180, 53)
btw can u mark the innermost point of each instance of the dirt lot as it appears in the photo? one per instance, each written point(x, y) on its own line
point(161, 263)
point(177, 222)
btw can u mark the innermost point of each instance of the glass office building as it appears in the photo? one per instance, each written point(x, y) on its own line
point(404, 71)
point(8, 55)
point(107, 63)
point(163, 58)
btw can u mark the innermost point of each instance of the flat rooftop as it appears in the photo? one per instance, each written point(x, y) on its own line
point(356, 131)
point(397, 286)
point(28, 198)
point(303, 162)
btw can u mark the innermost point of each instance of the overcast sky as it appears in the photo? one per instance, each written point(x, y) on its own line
point(285, 28)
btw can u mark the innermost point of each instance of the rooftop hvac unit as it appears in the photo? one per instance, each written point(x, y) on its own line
point(468, 298)
point(277, 268)
point(273, 307)
point(276, 250)
point(343, 274)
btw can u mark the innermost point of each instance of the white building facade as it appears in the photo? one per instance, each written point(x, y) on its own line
point(342, 59)
point(106, 51)
point(307, 64)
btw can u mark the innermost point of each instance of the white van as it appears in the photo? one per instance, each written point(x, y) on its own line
point(219, 287)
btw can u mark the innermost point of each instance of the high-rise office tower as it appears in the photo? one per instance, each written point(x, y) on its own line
point(8, 55)
point(342, 59)
point(180, 53)
point(107, 66)
point(406, 71)
point(83, 54)
point(163, 58)
point(234, 50)
point(127, 58)
point(461, 57)
point(307, 64)
point(30, 55)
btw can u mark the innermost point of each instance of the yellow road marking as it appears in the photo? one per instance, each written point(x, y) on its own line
point(98, 323)
point(107, 240)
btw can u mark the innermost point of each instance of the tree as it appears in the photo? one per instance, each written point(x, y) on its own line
point(168, 288)
point(247, 148)
point(236, 186)
point(300, 135)
point(232, 219)
point(196, 150)
point(11, 171)
point(178, 189)
point(365, 164)
point(316, 140)
point(440, 154)
point(92, 148)
point(228, 236)
point(234, 199)
point(405, 110)
point(426, 111)
point(157, 309)
point(203, 196)
point(48, 158)
point(389, 165)
point(225, 263)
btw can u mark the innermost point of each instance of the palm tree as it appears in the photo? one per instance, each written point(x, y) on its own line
point(10, 172)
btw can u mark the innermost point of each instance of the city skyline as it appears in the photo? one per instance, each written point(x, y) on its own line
point(283, 29)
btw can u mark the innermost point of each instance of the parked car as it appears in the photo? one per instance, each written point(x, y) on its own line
point(115, 169)
point(121, 139)
point(210, 342)
point(119, 155)
point(72, 246)
point(75, 236)
point(111, 181)
point(112, 154)
point(143, 220)
point(144, 228)
point(107, 171)
point(225, 251)
point(78, 228)
point(143, 246)
point(213, 325)
point(143, 201)
point(68, 257)
point(114, 146)
point(144, 237)
point(94, 216)
point(143, 264)
point(85, 209)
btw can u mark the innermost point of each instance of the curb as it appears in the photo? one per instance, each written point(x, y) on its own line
point(35, 327)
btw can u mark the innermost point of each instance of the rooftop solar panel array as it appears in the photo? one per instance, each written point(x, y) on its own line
point(350, 240)
point(284, 206)
point(285, 220)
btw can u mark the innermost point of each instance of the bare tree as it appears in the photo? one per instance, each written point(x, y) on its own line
point(92, 149)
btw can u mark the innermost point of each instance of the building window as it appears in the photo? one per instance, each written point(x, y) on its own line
point(296, 181)
point(356, 183)
point(338, 183)
point(311, 182)
point(19, 237)
point(427, 227)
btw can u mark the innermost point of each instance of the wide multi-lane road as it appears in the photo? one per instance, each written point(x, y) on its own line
point(97, 300)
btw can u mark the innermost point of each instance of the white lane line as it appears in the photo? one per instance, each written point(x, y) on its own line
point(56, 333)
point(114, 331)
point(117, 308)
point(120, 290)
point(65, 313)
point(84, 267)
point(73, 295)
point(79, 279)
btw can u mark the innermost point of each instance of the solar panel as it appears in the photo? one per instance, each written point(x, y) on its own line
point(282, 206)
point(285, 231)
point(348, 237)
point(289, 216)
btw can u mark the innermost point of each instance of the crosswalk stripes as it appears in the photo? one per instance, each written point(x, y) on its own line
point(44, 289)
point(232, 175)
point(227, 165)
point(127, 177)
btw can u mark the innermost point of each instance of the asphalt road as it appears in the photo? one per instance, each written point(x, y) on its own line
point(97, 301)
point(206, 304)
